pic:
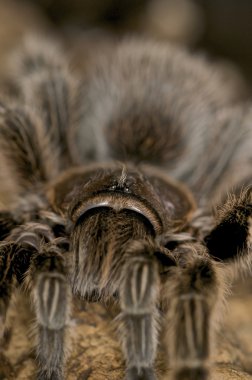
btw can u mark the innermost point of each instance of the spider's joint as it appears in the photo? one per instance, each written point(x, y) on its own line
point(51, 299)
point(137, 287)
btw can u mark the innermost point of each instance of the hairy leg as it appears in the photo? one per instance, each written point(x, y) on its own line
point(45, 276)
point(138, 299)
point(192, 291)
point(48, 277)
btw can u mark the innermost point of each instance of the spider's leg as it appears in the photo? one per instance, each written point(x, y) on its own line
point(138, 300)
point(46, 81)
point(191, 291)
point(46, 278)
point(231, 237)
point(48, 275)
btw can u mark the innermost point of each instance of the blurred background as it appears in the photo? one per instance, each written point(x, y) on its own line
point(220, 29)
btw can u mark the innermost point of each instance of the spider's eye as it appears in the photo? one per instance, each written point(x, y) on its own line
point(124, 189)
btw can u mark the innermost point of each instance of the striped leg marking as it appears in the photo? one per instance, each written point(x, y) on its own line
point(51, 298)
point(138, 296)
point(190, 315)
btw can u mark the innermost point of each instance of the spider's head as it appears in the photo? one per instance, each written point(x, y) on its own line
point(110, 206)
point(119, 186)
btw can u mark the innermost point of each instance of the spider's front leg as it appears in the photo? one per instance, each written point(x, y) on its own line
point(190, 295)
point(38, 259)
point(48, 278)
point(194, 289)
point(139, 300)
point(187, 286)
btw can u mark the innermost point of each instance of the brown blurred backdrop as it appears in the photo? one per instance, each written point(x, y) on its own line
point(221, 29)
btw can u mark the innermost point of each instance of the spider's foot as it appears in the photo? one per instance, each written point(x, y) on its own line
point(135, 373)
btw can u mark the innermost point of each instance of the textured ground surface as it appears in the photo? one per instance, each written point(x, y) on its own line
point(94, 352)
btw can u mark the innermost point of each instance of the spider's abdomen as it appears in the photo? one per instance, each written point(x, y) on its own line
point(149, 102)
point(156, 103)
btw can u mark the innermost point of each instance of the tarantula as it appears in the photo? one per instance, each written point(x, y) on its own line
point(112, 177)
